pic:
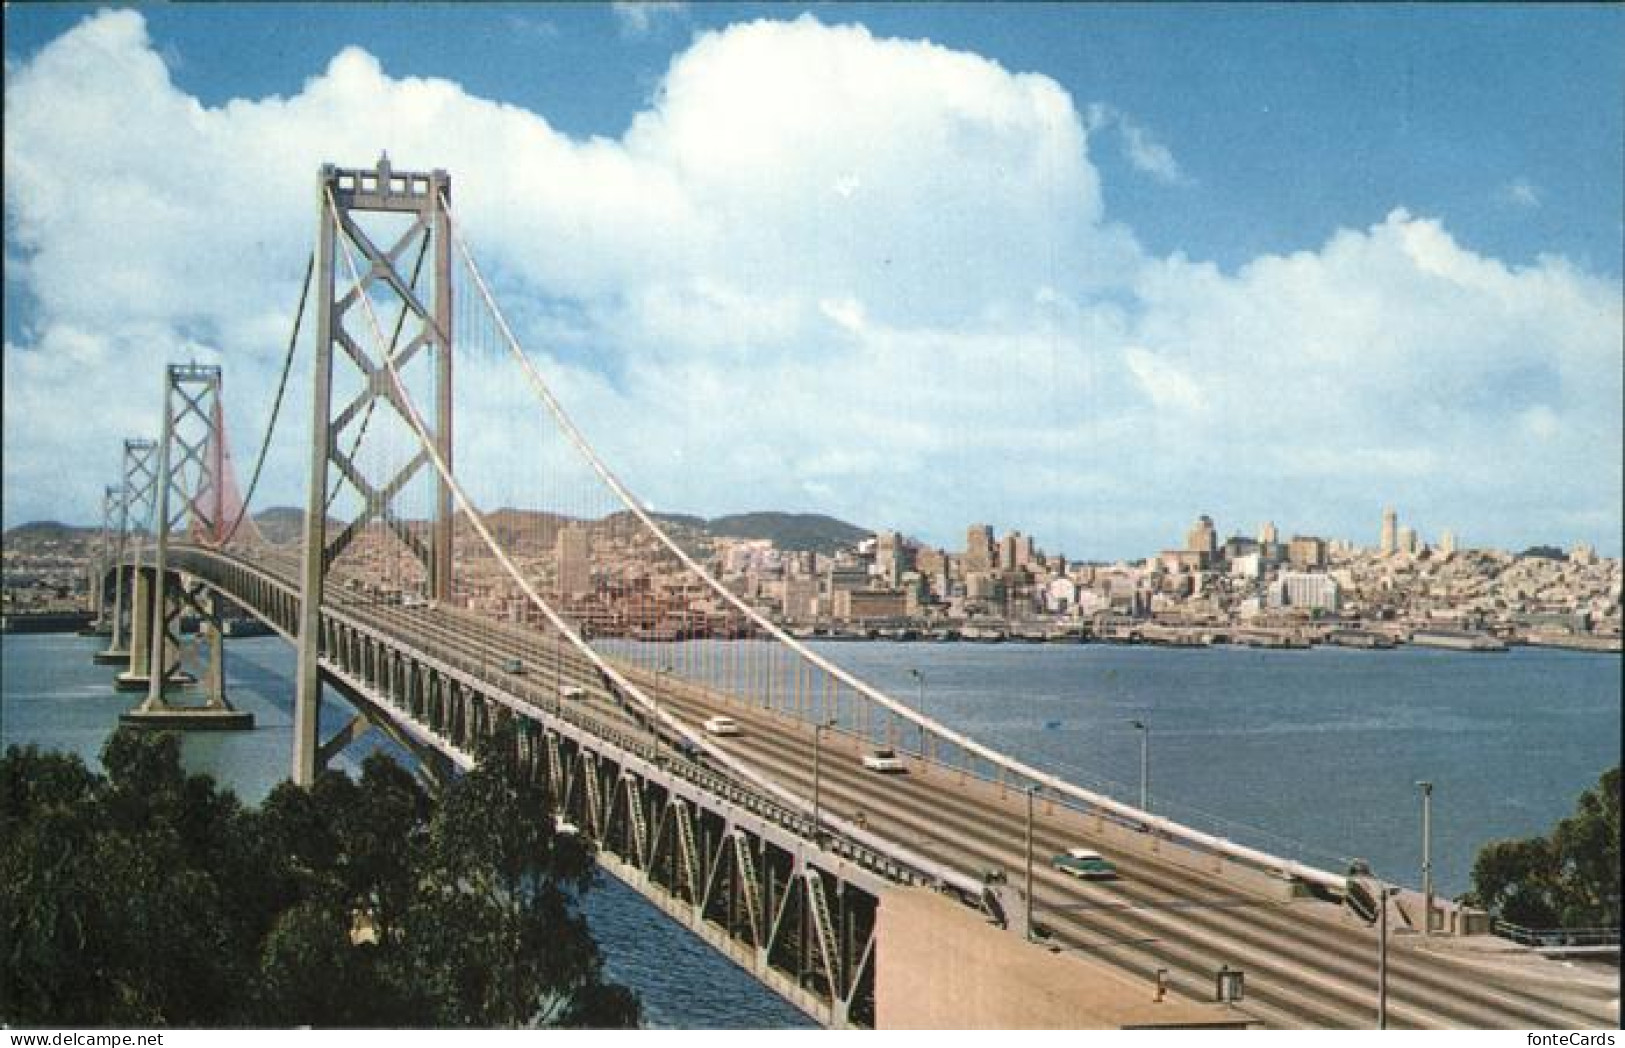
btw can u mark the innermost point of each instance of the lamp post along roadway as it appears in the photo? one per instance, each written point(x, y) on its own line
point(1029, 891)
point(919, 680)
point(1382, 959)
point(1427, 856)
point(818, 812)
point(1145, 764)
point(662, 678)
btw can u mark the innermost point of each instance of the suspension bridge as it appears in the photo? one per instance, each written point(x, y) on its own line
point(445, 588)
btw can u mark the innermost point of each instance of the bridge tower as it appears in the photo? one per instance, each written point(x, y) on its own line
point(189, 488)
point(344, 197)
point(102, 563)
point(135, 505)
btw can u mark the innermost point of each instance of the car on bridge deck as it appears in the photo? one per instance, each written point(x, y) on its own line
point(884, 759)
point(515, 667)
point(570, 691)
point(1084, 864)
point(720, 725)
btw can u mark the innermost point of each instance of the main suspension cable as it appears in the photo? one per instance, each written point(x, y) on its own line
point(276, 405)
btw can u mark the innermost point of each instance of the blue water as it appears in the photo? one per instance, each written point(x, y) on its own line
point(1312, 753)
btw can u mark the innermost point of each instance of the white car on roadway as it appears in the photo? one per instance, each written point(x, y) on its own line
point(570, 691)
point(884, 759)
point(720, 725)
point(1084, 864)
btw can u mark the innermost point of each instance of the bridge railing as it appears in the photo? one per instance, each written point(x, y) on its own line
point(1557, 937)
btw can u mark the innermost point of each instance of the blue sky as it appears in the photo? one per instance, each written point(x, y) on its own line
point(1309, 153)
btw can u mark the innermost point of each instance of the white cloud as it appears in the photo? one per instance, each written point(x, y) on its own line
point(821, 271)
point(637, 17)
point(1522, 193)
point(1141, 148)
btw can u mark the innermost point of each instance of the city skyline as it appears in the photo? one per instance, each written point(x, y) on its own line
point(1042, 289)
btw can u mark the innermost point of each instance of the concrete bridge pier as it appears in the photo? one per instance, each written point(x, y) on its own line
point(118, 621)
point(139, 649)
point(100, 605)
point(157, 711)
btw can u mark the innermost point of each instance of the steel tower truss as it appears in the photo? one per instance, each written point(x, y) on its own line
point(103, 563)
point(190, 492)
point(137, 490)
point(343, 324)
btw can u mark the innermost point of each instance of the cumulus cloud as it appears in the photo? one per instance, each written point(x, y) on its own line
point(820, 271)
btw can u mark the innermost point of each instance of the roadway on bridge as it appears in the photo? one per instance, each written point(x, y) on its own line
point(1307, 962)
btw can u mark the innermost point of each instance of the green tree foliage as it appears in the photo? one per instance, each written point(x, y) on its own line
point(1569, 878)
point(152, 898)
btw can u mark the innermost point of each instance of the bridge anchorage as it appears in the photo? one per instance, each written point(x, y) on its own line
point(594, 638)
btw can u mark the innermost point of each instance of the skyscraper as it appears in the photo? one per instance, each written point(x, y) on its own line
point(1267, 535)
point(978, 548)
point(1203, 537)
point(1390, 531)
point(892, 557)
point(574, 554)
point(1007, 550)
point(1447, 542)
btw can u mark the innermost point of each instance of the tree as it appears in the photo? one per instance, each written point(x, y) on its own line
point(497, 928)
point(1587, 847)
point(1569, 878)
point(148, 897)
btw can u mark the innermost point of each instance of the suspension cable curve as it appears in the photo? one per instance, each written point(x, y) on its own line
point(276, 405)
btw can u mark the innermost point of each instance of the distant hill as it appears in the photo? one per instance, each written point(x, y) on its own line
point(284, 525)
point(48, 531)
point(281, 525)
point(791, 531)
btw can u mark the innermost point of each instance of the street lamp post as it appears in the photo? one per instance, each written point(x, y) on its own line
point(1427, 856)
point(818, 814)
point(662, 675)
point(1382, 959)
point(1029, 893)
point(1145, 764)
point(1362, 886)
point(919, 680)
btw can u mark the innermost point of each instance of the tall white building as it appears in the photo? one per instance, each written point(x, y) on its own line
point(1390, 531)
point(574, 552)
point(1294, 589)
